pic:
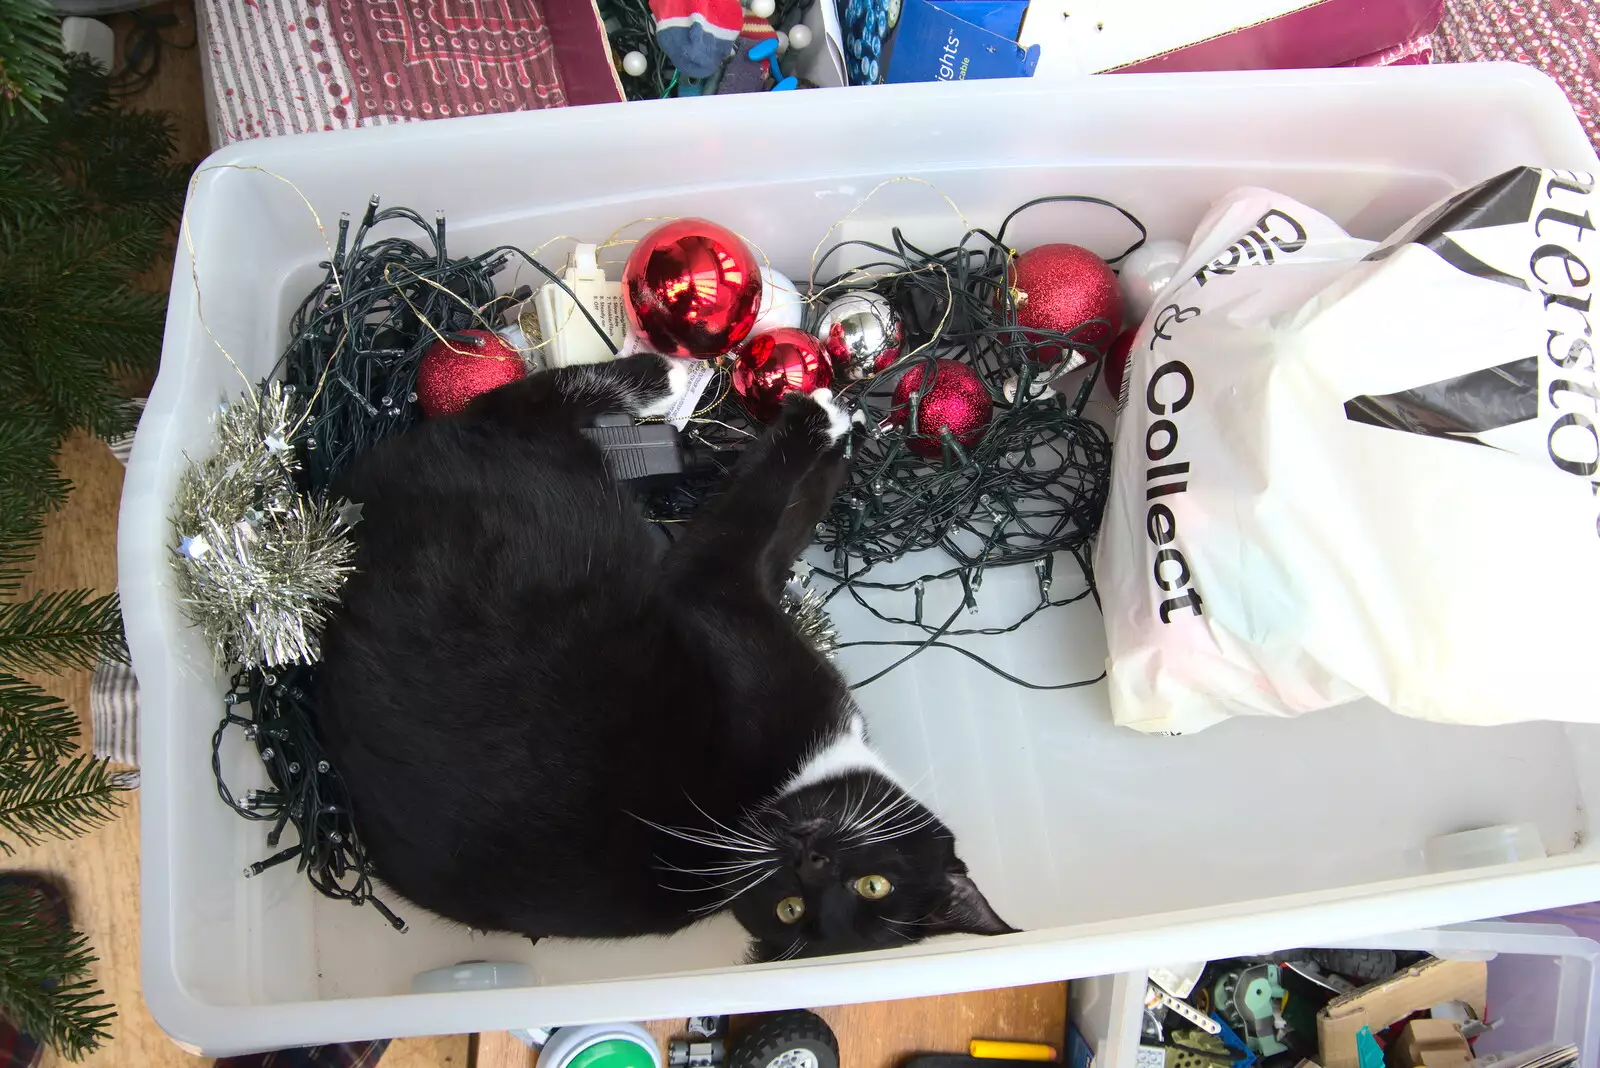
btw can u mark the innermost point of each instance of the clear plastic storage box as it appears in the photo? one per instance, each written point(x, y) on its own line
point(1111, 849)
point(1542, 990)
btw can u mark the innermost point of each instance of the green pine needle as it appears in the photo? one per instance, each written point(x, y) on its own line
point(34, 726)
point(57, 801)
point(60, 631)
point(45, 982)
point(29, 487)
point(87, 193)
point(20, 532)
point(28, 479)
point(30, 55)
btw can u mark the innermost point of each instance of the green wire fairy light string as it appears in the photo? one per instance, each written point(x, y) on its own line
point(1033, 488)
point(1030, 491)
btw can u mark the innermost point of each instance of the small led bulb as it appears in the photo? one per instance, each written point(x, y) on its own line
point(799, 37)
point(635, 64)
point(763, 9)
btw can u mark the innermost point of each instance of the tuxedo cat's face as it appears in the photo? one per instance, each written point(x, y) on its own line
point(854, 863)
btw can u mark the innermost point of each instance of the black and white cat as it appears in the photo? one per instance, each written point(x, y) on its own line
point(551, 725)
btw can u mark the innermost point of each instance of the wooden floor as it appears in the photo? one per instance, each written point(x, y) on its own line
point(101, 870)
point(882, 1034)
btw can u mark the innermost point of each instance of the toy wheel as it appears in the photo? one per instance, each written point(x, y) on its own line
point(1362, 965)
point(787, 1040)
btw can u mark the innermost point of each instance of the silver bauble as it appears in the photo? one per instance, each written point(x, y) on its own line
point(861, 334)
point(1145, 272)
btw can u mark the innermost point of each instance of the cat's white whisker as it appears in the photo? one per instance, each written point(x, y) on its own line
point(909, 813)
point(900, 804)
point(738, 836)
point(899, 830)
point(708, 888)
point(725, 902)
point(849, 808)
point(887, 802)
point(886, 838)
point(855, 809)
point(702, 838)
point(721, 869)
point(912, 818)
point(793, 951)
point(882, 814)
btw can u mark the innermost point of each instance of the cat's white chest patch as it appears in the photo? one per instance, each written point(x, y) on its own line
point(848, 752)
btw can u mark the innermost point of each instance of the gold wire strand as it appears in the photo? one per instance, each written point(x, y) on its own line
point(194, 263)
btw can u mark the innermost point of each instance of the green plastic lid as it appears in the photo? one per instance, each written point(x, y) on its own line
point(613, 1053)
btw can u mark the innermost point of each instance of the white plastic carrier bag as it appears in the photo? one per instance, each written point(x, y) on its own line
point(1350, 470)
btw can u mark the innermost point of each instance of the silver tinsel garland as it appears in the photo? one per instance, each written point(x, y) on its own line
point(807, 610)
point(259, 564)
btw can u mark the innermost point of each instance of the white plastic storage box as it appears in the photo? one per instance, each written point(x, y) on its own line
point(1111, 849)
point(1544, 987)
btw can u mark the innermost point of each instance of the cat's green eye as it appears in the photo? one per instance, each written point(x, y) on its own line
point(874, 887)
point(790, 909)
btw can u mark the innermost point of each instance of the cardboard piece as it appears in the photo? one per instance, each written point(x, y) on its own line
point(1380, 1005)
point(933, 45)
point(1430, 1044)
point(1089, 36)
point(1001, 17)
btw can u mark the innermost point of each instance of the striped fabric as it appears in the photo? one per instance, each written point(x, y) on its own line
point(114, 713)
point(294, 66)
point(122, 445)
point(113, 689)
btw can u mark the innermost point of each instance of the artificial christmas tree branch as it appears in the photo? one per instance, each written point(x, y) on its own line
point(60, 631)
point(87, 197)
point(86, 200)
point(33, 725)
point(28, 480)
point(20, 532)
point(44, 975)
point(60, 800)
point(30, 63)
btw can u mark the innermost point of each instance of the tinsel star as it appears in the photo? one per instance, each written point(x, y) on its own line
point(192, 547)
point(259, 563)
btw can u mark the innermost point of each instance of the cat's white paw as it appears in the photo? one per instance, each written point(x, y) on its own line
point(677, 388)
point(838, 418)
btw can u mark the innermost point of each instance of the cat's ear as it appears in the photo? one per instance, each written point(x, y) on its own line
point(966, 911)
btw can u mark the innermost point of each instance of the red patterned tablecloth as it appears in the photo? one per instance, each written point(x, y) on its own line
point(1560, 37)
point(292, 66)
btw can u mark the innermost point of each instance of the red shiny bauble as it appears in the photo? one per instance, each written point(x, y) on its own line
point(692, 289)
point(1116, 368)
point(770, 366)
point(957, 401)
point(1061, 287)
point(454, 371)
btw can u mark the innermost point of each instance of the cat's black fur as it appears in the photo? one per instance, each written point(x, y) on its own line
point(550, 725)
